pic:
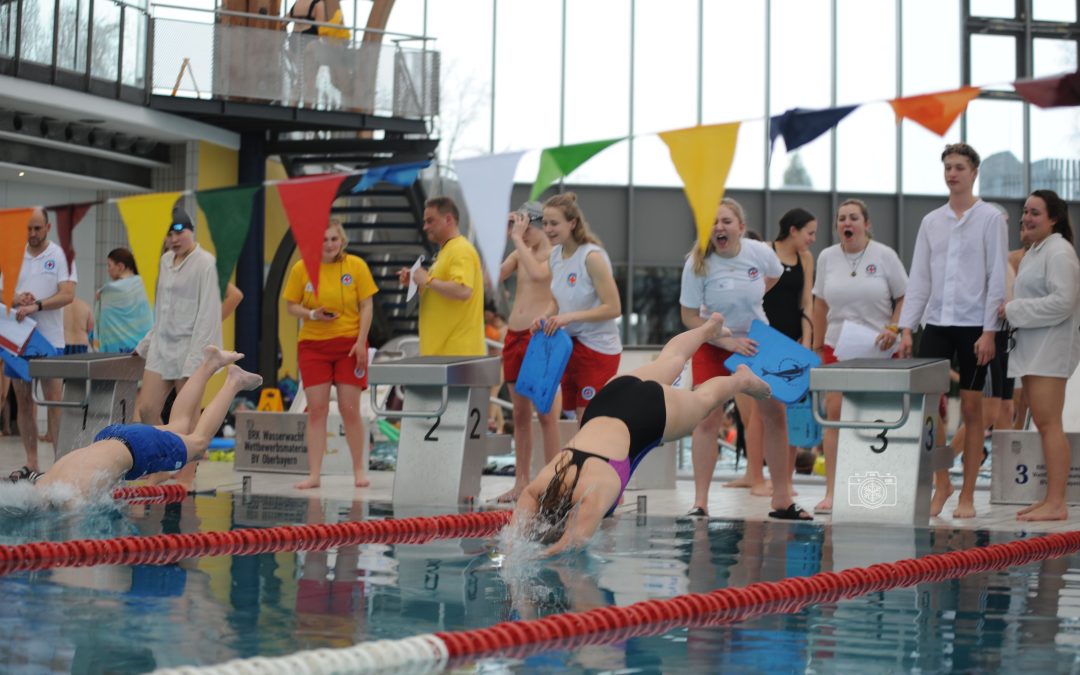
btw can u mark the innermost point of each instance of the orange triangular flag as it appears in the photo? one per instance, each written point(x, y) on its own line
point(936, 112)
point(13, 234)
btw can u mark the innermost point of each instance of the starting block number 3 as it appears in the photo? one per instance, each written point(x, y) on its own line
point(474, 432)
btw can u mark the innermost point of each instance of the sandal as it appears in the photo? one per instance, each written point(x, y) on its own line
point(697, 512)
point(20, 474)
point(793, 512)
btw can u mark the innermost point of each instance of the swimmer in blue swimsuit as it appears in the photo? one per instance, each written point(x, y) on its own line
point(130, 451)
point(630, 415)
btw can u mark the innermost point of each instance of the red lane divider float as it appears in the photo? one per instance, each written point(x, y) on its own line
point(729, 605)
point(151, 494)
point(163, 549)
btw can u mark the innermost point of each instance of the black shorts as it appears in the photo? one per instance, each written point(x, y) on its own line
point(945, 342)
point(1001, 385)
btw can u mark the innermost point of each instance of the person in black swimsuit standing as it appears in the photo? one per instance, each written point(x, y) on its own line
point(305, 63)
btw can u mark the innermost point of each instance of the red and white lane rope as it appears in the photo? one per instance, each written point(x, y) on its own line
point(163, 549)
point(425, 653)
point(151, 494)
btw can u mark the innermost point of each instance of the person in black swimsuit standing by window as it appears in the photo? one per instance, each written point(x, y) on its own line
point(305, 65)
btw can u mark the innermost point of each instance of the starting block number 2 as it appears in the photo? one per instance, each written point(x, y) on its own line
point(474, 432)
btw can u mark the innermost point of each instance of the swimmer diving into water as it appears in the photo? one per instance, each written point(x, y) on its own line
point(630, 415)
point(131, 451)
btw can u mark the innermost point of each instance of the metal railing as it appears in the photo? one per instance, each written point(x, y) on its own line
point(208, 54)
point(98, 46)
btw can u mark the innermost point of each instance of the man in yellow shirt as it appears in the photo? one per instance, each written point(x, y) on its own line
point(452, 291)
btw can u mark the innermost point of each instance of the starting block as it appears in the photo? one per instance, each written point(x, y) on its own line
point(1018, 472)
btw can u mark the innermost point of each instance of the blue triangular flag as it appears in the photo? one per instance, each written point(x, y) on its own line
point(799, 126)
point(402, 175)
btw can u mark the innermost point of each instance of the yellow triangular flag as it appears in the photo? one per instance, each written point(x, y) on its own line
point(703, 156)
point(147, 219)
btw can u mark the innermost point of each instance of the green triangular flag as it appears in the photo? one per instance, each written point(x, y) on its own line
point(228, 215)
point(558, 162)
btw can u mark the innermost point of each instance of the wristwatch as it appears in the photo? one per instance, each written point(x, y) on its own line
point(39, 307)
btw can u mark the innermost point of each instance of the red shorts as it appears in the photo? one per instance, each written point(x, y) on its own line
point(708, 362)
point(587, 371)
point(514, 345)
point(328, 361)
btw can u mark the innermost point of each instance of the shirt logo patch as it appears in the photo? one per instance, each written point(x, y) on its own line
point(346, 279)
point(587, 393)
point(50, 265)
point(359, 372)
point(753, 273)
point(309, 288)
point(871, 270)
point(571, 279)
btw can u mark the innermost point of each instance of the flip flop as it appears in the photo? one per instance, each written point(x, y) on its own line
point(792, 512)
point(697, 512)
point(24, 473)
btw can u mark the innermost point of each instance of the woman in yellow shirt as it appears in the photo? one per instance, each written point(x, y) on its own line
point(333, 346)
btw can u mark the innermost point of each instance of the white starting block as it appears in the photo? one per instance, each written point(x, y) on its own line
point(888, 419)
point(1018, 471)
point(443, 445)
point(99, 389)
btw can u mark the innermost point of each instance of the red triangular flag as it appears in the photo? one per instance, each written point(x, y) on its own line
point(937, 111)
point(67, 217)
point(307, 203)
point(1051, 92)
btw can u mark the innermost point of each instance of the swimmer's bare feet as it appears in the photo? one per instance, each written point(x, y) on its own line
point(360, 479)
point(763, 489)
point(243, 379)
point(824, 506)
point(752, 385)
point(941, 495)
point(742, 481)
point(308, 483)
point(219, 358)
point(965, 508)
point(1029, 509)
point(512, 494)
point(1045, 511)
point(714, 327)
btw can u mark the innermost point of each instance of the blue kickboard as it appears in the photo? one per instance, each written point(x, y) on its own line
point(783, 363)
point(803, 429)
point(542, 368)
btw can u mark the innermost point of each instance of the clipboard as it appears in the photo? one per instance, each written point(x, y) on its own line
point(783, 363)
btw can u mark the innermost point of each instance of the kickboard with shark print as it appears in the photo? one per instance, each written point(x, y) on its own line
point(780, 361)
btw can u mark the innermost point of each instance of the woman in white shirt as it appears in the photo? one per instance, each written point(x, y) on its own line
point(731, 277)
point(861, 281)
point(1045, 313)
point(586, 302)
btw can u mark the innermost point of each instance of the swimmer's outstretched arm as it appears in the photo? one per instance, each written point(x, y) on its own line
point(584, 523)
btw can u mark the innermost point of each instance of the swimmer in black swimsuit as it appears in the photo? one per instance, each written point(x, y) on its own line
point(631, 415)
point(130, 451)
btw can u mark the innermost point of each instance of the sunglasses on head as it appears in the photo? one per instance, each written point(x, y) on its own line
point(176, 227)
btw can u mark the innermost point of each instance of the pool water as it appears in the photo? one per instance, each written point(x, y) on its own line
point(128, 619)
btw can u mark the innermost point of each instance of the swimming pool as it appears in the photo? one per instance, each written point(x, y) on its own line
point(209, 610)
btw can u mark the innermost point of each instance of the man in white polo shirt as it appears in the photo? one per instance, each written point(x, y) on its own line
point(957, 285)
point(45, 285)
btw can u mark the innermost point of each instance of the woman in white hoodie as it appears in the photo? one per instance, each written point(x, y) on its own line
point(1045, 313)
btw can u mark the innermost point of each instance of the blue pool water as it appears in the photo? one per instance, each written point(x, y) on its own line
point(124, 619)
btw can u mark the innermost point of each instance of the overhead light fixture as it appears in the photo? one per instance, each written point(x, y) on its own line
point(21, 174)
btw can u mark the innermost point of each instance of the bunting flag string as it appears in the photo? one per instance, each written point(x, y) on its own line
point(560, 161)
point(486, 183)
point(228, 216)
point(703, 157)
point(67, 217)
point(147, 219)
point(936, 111)
point(307, 203)
point(799, 126)
point(1051, 92)
point(13, 236)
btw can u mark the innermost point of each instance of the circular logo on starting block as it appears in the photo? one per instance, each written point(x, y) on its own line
point(587, 393)
point(346, 279)
point(50, 265)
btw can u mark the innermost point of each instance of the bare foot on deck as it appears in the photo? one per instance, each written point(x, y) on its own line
point(937, 502)
point(742, 481)
point(752, 385)
point(219, 358)
point(763, 489)
point(824, 506)
point(307, 483)
point(1045, 512)
point(361, 480)
point(510, 495)
point(1028, 509)
point(965, 509)
point(243, 379)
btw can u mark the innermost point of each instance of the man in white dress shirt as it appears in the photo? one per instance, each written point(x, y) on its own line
point(44, 286)
point(957, 285)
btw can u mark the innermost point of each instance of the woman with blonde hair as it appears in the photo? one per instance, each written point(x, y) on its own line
point(585, 302)
point(333, 346)
point(731, 276)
